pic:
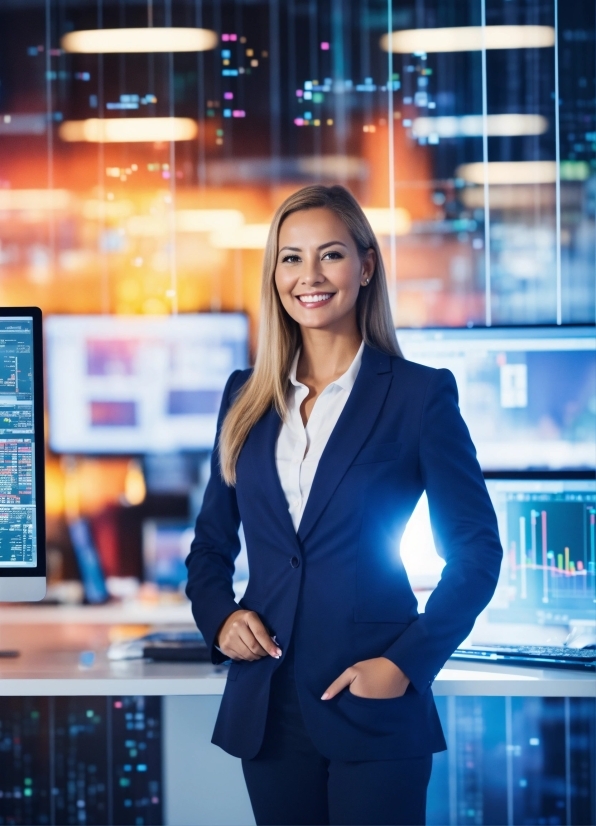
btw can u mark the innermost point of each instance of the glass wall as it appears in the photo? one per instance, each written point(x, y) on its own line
point(134, 179)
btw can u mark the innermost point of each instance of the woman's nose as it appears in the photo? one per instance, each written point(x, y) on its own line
point(312, 273)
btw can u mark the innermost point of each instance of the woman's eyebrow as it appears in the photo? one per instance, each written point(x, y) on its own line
point(331, 244)
point(321, 247)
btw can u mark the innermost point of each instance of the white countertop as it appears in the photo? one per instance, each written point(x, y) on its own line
point(48, 665)
point(50, 640)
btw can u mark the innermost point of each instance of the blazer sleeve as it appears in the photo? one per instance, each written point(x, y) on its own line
point(466, 536)
point(215, 545)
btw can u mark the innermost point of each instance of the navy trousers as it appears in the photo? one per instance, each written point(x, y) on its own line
point(290, 783)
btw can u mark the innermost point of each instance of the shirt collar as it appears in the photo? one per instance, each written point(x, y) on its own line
point(345, 381)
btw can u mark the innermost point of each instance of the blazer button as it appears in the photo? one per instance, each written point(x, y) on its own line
point(294, 562)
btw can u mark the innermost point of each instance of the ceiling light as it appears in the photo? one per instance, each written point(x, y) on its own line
point(469, 126)
point(34, 199)
point(509, 172)
point(119, 41)
point(385, 221)
point(468, 39)
point(510, 197)
point(128, 130)
point(208, 220)
point(247, 237)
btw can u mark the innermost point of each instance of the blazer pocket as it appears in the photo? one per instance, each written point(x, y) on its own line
point(381, 452)
point(235, 668)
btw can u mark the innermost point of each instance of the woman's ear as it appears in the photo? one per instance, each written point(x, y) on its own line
point(369, 262)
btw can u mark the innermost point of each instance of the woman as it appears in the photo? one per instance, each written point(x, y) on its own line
point(322, 452)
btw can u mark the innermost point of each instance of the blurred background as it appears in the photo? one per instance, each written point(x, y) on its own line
point(144, 147)
point(139, 171)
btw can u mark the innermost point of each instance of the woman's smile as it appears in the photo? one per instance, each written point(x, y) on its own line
point(314, 300)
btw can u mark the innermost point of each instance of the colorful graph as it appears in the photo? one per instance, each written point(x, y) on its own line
point(552, 550)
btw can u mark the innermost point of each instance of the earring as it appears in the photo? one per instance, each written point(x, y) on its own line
point(366, 280)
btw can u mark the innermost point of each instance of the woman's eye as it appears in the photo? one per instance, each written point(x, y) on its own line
point(333, 254)
point(290, 259)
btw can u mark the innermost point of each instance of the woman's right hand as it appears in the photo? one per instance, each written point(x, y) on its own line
point(244, 637)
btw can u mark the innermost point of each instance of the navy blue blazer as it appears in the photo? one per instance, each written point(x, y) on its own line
point(338, 585)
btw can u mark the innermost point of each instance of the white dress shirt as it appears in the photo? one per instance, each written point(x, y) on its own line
point(299, 448)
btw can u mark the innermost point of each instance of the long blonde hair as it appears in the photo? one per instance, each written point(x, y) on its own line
point(279, 334)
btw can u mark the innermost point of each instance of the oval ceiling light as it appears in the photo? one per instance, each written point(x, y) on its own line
point(128, 130)
point(246, 237)
point(468, 39)
point(509, 172)
point(16, 200)
point(471, 126)
point(119, 41)
point(386, 221)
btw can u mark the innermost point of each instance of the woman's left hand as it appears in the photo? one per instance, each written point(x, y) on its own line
point(376, 679)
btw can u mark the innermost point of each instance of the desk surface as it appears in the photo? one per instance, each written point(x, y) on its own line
point(49, 666)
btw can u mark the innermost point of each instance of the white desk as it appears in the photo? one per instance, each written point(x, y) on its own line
point(202, 784)
point(51, 640)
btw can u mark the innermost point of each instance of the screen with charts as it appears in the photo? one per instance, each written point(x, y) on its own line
point(528, 395)
point(548, 533)
point(18, 530)
point(140, 384)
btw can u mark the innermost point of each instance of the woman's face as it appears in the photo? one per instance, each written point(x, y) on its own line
point(319, 271)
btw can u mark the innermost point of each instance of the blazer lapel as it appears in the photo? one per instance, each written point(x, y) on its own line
point(349, 434)
point(263, 439)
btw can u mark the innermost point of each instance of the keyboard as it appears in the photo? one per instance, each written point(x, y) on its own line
point(541, 656)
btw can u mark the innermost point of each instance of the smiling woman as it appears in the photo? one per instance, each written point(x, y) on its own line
point(322, 452)
point(311, 222)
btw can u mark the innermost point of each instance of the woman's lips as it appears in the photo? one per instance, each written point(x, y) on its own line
point(314, 300)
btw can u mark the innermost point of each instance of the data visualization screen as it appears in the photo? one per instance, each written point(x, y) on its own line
point(18, 533)
point(548, 532)
point(140, 384)
point(528, 395)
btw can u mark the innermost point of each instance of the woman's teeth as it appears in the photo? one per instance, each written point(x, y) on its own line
point(314, 299)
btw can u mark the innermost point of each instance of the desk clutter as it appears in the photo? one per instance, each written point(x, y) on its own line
point(163, 646)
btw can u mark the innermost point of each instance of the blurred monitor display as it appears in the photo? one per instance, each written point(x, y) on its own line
point(528, 395)
point(166, 544)
point(120, 384)
point(548, 532)
point(92, 576)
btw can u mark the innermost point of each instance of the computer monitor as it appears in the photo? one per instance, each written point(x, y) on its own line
point(548, 533)
point(166, 544)
point(547, 528)
point(87, 556)
point(22, 511)
point(142, 384)
point(528, 394)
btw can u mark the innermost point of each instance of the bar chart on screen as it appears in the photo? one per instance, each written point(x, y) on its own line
point(550, 552)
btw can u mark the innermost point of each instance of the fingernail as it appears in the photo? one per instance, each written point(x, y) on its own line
point(325, 696)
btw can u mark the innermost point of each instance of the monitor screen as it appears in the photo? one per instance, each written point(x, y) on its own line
point(166, 544)
point(548, 532)
point(528, 395)
point(143, 384)
point(18, 466)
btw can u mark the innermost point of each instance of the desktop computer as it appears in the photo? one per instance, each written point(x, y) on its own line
point(22, 512)
point(528, 394)
point(140, 384)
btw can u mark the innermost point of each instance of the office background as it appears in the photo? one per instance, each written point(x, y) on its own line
point(140, 182)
